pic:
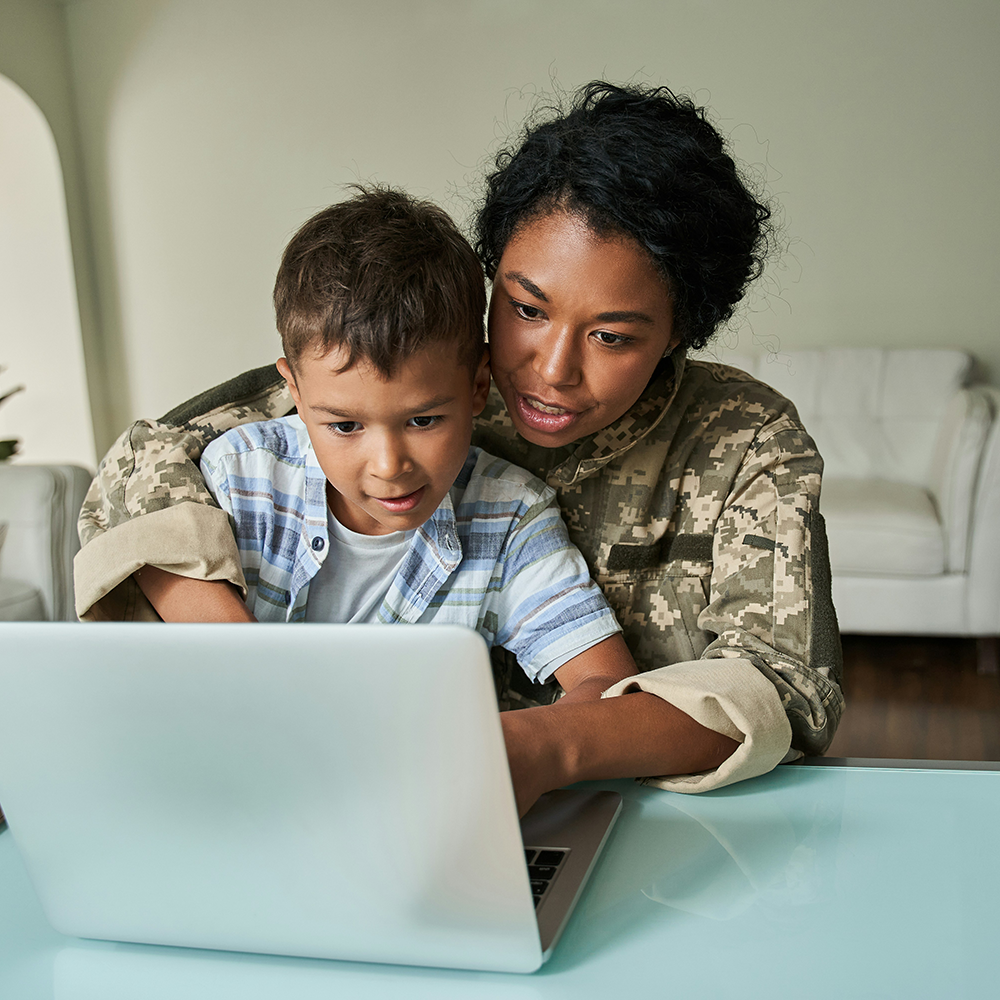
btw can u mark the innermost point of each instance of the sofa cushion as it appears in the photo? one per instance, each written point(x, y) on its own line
point(873, 412)
point(882, 528)
point(20, 602)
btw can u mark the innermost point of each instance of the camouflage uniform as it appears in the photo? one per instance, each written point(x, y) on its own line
point(697, 512)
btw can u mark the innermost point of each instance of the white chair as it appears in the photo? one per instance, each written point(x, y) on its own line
point(39, 505)
point(911, 490)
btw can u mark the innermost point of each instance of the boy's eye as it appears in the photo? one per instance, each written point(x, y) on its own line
point(423, 421)
point(345, 426)
point(610, 339)
point(526, 311)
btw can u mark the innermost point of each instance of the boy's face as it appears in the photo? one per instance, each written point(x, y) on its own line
point(390, 449)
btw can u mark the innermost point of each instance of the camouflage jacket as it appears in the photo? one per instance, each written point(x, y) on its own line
point(697, 512)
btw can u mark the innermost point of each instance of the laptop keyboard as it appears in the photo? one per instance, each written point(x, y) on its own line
point(543, 866)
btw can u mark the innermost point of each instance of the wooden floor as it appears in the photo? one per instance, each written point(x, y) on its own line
point(919, 698)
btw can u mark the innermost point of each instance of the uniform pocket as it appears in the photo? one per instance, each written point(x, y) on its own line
point(658, 613)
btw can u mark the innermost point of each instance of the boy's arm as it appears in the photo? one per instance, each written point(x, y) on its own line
point(586, 737)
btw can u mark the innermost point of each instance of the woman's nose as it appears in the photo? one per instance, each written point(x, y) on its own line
point(557, 359)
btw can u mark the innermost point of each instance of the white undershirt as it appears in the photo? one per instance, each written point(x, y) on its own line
point(356, 574)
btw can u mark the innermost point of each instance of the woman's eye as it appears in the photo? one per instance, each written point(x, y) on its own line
point(424, 421)
point(344, 427)
point(525, 311)
point(610, 339)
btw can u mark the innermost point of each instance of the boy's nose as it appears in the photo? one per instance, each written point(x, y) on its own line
point(390, 460)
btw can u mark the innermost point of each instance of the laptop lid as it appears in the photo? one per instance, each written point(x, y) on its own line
point(319, 790)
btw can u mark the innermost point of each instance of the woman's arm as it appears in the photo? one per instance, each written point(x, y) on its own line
point(769, 674)
point(181, 599)
point(149, 504)
point(633, 736)
point(586, 737)
point(707, 540)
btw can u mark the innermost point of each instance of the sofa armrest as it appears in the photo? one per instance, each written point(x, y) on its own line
point(955, 467)
point(40, 504)
point(984, 550)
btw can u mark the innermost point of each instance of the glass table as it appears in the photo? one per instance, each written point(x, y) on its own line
point(836, 878)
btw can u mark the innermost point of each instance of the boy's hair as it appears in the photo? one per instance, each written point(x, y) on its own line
point(383, 275)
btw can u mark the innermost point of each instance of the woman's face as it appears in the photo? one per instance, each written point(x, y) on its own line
point(577, 324)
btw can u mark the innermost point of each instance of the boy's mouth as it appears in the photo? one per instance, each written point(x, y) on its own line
point(400, 505)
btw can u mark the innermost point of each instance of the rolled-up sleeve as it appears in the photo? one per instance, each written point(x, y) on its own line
point(729, 696)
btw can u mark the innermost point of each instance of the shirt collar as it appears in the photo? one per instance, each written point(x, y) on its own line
point(439, 533)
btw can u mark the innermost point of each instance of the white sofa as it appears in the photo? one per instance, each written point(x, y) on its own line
point(39, 505)
point(911, 491)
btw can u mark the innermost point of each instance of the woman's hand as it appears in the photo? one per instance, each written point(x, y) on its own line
point(534, 742)
point(583, 737)
point(532, 755)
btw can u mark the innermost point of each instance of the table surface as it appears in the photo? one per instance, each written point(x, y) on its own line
point(846, 881)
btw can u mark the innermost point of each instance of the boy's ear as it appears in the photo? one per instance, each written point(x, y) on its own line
point(481, 384)
point(286, 373)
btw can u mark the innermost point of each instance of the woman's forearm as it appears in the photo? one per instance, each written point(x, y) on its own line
point(634, 735)
point(180, 599)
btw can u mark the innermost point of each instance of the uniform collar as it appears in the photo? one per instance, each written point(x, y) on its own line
point(597, 450)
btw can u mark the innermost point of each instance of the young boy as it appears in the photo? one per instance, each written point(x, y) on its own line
point(370, 505)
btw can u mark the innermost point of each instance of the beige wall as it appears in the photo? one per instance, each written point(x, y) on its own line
point(34, 54)
point(211, 128)
point(41, 346)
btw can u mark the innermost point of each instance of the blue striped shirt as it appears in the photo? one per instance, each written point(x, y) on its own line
point(495, 555)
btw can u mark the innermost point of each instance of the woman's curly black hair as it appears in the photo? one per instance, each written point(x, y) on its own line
point(646, 163)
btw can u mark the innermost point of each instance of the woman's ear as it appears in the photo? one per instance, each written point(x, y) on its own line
point(481, 384)
point(676, 340)
point(284, 369)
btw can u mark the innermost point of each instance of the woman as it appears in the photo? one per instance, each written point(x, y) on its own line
point(616, 236)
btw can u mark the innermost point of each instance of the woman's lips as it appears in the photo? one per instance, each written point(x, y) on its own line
point(400, 505)
point(542, 417)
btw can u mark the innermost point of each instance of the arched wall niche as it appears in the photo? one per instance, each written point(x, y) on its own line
point(40, 334)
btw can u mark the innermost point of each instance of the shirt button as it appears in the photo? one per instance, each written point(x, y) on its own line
point(318, 544)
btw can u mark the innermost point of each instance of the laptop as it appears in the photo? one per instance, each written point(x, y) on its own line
point(327, 791)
